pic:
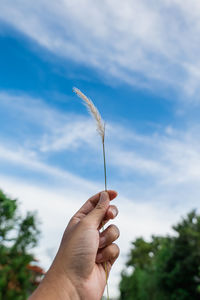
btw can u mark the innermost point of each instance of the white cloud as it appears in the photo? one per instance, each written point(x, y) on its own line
point(140, 42)
point(132, 161)
point(172, 155)
point(55, 130)
point(69, 136)
point(28, 160)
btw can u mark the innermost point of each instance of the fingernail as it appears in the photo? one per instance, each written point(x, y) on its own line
point(102, 241)
point(103, 197)
point(99, 256)
point(114, 212)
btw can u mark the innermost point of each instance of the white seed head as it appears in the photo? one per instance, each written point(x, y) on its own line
point(93, 111)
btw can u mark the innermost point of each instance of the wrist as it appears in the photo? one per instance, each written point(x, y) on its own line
point(55, 286)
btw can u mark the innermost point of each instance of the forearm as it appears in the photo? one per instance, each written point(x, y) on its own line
point(55, 286)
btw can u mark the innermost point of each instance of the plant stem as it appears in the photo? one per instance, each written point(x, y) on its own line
point(104, 161)
point(105, 178)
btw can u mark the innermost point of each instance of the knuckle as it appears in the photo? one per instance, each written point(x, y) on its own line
point(72, 220)
point(99, 206)
point(84, 222)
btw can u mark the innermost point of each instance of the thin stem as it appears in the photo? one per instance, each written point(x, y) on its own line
point(104, 161)
point(107, 290)
point(106, 271)
point(105, 178)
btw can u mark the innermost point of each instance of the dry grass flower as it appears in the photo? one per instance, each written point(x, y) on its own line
point(93, 111)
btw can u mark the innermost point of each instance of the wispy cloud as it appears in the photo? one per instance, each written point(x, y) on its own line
point(136, 41)
point(70, 136)
point(170, 154)
point(54, 130)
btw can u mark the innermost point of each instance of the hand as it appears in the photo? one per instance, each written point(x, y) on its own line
point(78, 271)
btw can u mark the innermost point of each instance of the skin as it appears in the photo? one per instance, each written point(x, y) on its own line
point(78, 270)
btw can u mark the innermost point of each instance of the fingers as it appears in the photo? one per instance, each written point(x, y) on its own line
point(108, 254)
point(95, 217)
point(111, 213)
point(108, 236)
point(95, 198)
point(108, 251)
point(91, 203)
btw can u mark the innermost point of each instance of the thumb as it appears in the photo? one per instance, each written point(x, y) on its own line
point(96, 216)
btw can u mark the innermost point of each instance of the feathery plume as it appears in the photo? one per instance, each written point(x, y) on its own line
point(93, 111)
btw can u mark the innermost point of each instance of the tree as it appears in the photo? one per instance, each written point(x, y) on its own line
point(166, 267)
point(18, 235)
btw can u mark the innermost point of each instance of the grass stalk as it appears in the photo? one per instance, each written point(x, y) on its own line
point(105, 180)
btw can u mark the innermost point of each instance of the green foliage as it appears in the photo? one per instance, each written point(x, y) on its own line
point(166, 268)
point(17, 236)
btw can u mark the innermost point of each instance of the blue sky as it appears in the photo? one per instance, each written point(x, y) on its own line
point(139, 62)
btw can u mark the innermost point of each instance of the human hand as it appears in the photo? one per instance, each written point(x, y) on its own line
point(78, 271)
